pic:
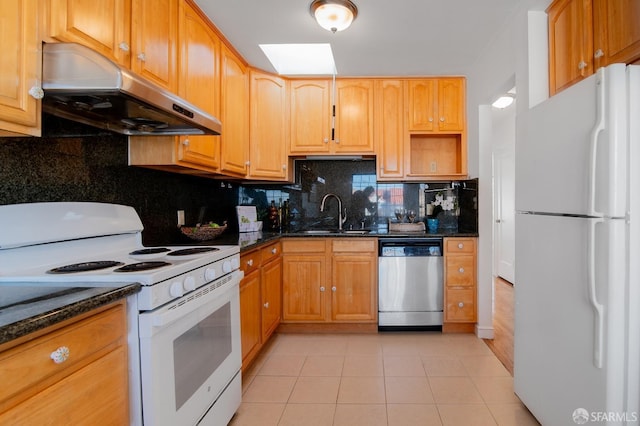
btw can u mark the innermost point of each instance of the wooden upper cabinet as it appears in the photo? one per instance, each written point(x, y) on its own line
point(421, 100)
point(353, 117)
point(199, 83)
point(436, 105)
point(389, 134)
point(310, 103)
point(19, 68)
point(616, 31)
point(269, 131)
point(102, 25)
point(570, 43)
point(154, 29)
point(234, 114)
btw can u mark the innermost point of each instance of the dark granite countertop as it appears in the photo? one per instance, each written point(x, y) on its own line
point(29, 307)
point(251, 240)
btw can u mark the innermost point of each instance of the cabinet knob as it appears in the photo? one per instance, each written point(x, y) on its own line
point(185, 142)
point(460, 246)
point(284, 167)
point(582, 65)
point(325, 140)
point(430, 119)
point(461, 270)
point(598, 54)
point(36, 92)
point(274, 250)
point(142, 56)
point(266, 305)
point(60, 355)
point(460, 305)
point(247, 163)
point(337, 140)
point(322, 288)
point(124, 46)
point(442, 119)
point(250, 262)
point(333, 288)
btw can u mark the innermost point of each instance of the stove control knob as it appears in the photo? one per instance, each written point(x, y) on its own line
point(210, 274)
point(189, 283)
point(235, 262)
point(176, 289)
point(226, 267)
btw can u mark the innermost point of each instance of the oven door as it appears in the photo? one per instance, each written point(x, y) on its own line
point(189, 352)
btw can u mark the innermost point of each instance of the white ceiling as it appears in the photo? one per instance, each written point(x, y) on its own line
point(388, 38)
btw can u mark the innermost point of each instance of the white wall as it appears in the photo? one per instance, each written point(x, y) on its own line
point(515, 51)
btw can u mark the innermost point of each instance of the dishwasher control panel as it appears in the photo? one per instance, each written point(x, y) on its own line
point(410, 248)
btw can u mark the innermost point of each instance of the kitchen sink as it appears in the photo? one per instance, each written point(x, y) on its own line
point(335, 231)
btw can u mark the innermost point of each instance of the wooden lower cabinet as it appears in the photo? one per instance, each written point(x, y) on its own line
point(329, 280)
point(89, 387)
point(260, 299)
point(460, 264)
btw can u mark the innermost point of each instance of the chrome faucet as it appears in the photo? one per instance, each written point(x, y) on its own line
point(341, 219)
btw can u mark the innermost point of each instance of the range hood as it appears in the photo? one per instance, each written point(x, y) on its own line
point(82, 85)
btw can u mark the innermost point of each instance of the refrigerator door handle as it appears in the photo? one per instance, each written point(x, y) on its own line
point(595, 132)
point(593, 297)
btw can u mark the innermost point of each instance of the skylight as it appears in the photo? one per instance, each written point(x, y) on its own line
point(301, 59)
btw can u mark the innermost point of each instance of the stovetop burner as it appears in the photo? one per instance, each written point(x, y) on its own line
point(84, 267)
point(153, 250)
point(192, 250)
point(141, 266)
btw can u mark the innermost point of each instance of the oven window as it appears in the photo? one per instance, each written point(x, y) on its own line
point(199, 351)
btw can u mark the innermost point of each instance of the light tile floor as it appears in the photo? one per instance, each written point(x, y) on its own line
point(387, 379)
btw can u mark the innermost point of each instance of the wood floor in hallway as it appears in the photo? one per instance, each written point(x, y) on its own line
point(502, 343)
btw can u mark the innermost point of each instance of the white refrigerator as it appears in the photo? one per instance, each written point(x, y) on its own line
point(577, 263)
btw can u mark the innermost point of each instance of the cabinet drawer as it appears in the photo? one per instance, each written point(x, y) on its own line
point(25, 365)
point(250, 262)
point(354, 245)
point(459, 245)
point(269, 252)
point(461, 305)
point(303, 245)
point(459, 271)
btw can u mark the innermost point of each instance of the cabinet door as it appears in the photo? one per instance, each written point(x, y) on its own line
point(390, 134)
point(303, 287)
point(95, 394)
point(420, 96)
point(234, 113)
point(19, 68)
point(354, 117)
point(353, 291)
point(269, 130)
point(451, 104)
point(570, 43)
point(199, 84)
point(310, 116)
point(616, 31)
point(250, 319)
point(271, 297)
point(102, 25)
point(154, 30)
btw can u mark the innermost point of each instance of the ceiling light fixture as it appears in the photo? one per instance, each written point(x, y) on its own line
point(503, 101)
point(334, 15)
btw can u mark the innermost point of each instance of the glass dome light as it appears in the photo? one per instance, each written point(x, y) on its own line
point(334, 15)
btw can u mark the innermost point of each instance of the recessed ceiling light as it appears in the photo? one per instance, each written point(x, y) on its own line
point(301, 59)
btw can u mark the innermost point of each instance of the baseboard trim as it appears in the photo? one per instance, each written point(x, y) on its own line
point(484, 332)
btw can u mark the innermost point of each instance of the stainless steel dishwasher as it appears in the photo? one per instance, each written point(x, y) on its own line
point(410, 283)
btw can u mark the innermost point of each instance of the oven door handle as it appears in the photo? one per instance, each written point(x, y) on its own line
point(169, 314)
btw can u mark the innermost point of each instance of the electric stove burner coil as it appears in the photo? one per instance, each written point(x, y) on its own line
point(153, 250)
point(85, 267)
point(141, 266)
point(193, 250)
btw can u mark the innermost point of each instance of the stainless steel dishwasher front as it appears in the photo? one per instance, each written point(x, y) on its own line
point(410, 283)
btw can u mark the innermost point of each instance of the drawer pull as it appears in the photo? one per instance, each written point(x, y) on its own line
point(274, 250)
point(250, 262)
point(333, 288)
point(322, 288)
point(460, 246)
point(60, 355)
point(461, 270)
point(266, 305)
point(460, 305)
